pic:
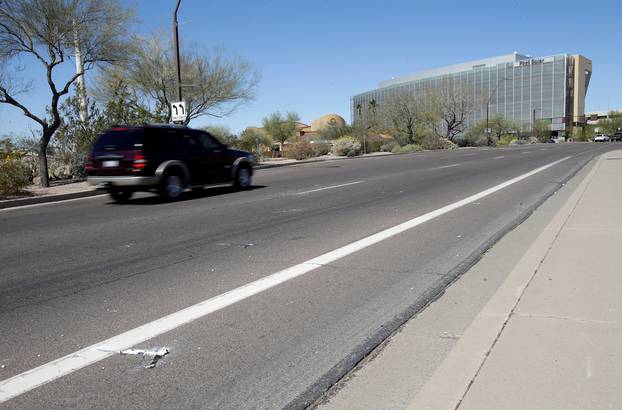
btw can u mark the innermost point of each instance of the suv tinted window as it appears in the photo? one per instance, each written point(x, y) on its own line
point(188, 141)
point(119, 140)
point(208, 141)
point(161, 141)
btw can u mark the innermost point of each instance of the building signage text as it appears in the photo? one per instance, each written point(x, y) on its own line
point(533, 61)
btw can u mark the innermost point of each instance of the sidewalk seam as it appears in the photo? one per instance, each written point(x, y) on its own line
point(572, 319)
point(546, 254)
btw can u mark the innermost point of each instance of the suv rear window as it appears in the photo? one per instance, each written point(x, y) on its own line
point(119, 140)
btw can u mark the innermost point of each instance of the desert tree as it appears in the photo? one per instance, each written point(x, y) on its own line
point(46, 32)
point(280, 127)
point(453, 106)
point(214, 83)
point(404, 114)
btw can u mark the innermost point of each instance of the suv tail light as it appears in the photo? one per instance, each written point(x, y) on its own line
point(139, 161)
point(88, 164)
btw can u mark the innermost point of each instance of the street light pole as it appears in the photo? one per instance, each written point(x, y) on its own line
point(176, 40)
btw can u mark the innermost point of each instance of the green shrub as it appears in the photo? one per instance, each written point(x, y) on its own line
point(346, 146)
point(507, 140)
point(434, 142)
point(14, 176)
point(472, 139)
point(321, 148)
point(373, 146)
point(407, 148)
point(300, 150)
point(388, 146)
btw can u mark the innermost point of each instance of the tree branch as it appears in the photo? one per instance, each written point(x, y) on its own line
point(8, 99)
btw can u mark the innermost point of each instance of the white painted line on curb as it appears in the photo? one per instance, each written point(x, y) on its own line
point(15, 208)
point(448, 166)
point(63, 366)
point(499, 157)
point(328, 187)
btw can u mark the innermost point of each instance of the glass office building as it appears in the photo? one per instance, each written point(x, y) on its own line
point(516, 86)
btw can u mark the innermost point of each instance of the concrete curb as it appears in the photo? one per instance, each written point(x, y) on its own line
point(309, 161)
point(451, 381)
point(12, 203)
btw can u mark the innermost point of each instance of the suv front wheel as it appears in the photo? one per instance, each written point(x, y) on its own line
point(242, 178)
point(172, 187)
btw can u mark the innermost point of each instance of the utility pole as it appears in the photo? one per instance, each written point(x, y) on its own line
point(176, 40)
point(84, 113)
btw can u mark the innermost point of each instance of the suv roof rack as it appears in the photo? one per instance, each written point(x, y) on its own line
point(163, 125)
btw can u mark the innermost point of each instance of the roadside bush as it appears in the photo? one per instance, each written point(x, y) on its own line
point(332, 132)
point(14, 176)
point(300, 150)
point(434, 142)
point(524, 141)
point(373, 146)
point(347, 146)
point(583, 134)
point(388, 146)
point(506, 140)
point(472, 139)
point(321, 148)
point(407, 148)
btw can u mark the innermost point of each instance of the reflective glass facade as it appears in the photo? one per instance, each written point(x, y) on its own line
point(516, 86)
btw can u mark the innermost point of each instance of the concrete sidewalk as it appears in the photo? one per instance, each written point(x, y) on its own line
point(547, 338)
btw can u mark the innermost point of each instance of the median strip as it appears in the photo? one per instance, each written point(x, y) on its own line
point(70, 363)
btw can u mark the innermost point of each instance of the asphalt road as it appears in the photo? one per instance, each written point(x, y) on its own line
point(76, 273)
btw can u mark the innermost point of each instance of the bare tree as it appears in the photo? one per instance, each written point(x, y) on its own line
point(453, 106)
point(46, 31)
point(403, 113)
point(214, 84)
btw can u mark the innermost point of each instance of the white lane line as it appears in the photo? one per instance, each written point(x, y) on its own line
point(15, 208)
point(328, 187)
point(448, 166)
point(55, 369)
point(499, 157)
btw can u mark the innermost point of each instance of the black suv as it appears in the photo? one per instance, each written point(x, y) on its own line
point(164, 158)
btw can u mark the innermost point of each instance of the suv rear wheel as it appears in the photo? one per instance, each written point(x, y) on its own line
point(172, 187)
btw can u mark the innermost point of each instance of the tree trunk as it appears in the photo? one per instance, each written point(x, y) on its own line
point(43, 164)
point(43, 158)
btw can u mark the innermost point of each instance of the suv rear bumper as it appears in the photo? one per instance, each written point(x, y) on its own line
point(125, 181)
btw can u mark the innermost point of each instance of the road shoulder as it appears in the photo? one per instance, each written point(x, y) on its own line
point(399, 370)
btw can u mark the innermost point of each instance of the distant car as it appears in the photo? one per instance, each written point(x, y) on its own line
point(164, 158)
point(601, 138)
point(617, 136)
